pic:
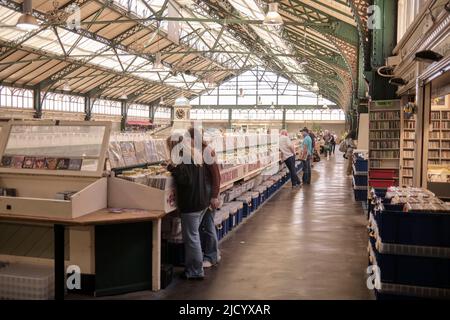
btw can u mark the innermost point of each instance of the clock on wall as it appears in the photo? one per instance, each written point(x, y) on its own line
point(180, 114)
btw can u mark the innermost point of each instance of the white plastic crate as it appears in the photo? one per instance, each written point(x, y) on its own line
point(20, 281)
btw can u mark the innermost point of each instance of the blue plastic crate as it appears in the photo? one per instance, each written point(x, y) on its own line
point(360, 194)
point(412, 228)
point(360, 180)
point(413, 270)
point(361, 165)
point(240, 215)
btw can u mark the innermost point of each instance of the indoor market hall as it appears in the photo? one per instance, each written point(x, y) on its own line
point(211, 153)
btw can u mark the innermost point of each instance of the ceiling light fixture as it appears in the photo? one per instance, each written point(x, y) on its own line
point(123, 95)
point(273, 18)
point(161, 101)
point(428, 56)
point(398, 81)
point(315, 87)
point(26, 21)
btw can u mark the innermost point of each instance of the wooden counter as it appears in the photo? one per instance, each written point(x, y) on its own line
point(101, 217)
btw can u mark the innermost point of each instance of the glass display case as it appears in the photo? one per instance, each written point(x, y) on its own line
point(53, 168)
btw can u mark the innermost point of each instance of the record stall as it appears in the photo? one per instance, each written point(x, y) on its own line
point(80, 196)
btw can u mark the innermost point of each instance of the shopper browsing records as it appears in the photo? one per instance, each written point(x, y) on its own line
point(288, 153)
point(350, 146)
point(306, 155)
point(189, 174)
point(208, 235)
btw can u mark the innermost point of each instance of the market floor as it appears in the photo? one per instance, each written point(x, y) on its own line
point(308, 243)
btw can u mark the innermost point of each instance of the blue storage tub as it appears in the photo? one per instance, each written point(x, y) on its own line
point(246, 203)
point(361, 165)
point(256, 200)
point(262, 193)
point(360, 193)
point(414, 228)
point(360, 180)
point(413, 270)
point(232, 220)
point(240, 211)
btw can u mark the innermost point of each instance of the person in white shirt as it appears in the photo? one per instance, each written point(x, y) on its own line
point(288, 153)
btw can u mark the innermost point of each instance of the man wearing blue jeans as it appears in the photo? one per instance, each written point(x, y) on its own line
point(307, 151)
point(193, 255)
point(288, 152)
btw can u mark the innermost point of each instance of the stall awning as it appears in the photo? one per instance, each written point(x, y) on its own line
point(139, 122)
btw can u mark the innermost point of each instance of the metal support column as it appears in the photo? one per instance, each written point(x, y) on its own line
point(87, 108)
point(230, 117)
point(123, 120)
point(384, 40)
point(37, 102)
point(283, 124)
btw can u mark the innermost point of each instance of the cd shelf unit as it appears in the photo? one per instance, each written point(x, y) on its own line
point(408, 147)
point(439, 138)
point(384, 143)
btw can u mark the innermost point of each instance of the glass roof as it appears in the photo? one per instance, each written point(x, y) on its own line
point(210, 45)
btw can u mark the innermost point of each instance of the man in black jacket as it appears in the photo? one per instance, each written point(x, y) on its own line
point(192, 202)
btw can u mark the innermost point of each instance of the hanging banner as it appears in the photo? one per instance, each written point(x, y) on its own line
point(174, 27)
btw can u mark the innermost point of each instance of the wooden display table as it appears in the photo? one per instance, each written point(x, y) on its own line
point(101, 217)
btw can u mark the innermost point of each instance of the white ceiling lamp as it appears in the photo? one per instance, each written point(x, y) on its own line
point(272, 106)
point(325, 106)
point(26, 21)
point(161, 101)
point(315, 87)
point(123, 95)
point(303, 62)
point(273, 18)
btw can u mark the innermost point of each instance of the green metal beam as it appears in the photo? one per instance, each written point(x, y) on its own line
point(265, 107)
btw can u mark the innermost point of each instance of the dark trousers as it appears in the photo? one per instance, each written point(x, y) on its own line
point(290, 164)
point(307, 170)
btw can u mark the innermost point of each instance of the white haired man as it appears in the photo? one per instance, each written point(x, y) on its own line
point(288, 153)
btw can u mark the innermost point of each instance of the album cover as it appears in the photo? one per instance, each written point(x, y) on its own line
point(63, 164)
point(141, 155)
point(6, 161)
point(17, 162)
point(75, 164)
point(28, 162)
point(115, 155)
point(128, 153)
point(39, 163)
point(50, 163)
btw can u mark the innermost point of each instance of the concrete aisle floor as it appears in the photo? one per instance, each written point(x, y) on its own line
point(307, 243)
